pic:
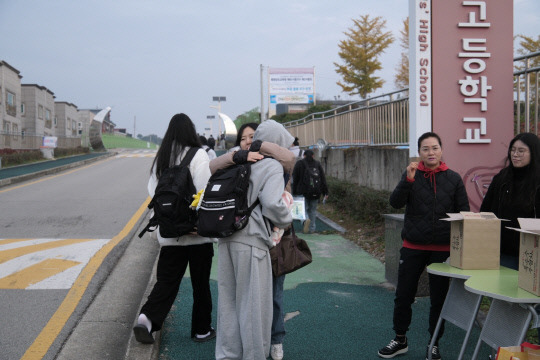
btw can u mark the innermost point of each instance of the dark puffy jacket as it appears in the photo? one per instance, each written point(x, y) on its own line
point(424, 206)
point(499, 201)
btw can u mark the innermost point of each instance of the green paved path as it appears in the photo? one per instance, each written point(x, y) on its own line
point(335, 309)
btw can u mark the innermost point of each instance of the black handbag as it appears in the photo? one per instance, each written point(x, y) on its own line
point(290, 254)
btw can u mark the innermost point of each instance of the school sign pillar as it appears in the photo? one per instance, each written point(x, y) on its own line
point(461, 84)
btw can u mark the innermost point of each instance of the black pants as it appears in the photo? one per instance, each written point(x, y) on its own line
point(171, 266)
point(411, 265)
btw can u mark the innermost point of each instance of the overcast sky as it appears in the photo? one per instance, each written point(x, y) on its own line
point(151, 59)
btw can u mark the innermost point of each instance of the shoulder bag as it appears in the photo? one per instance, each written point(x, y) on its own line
point(290, 254)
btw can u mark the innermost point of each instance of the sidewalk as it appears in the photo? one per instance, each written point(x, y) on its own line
point(338, 307)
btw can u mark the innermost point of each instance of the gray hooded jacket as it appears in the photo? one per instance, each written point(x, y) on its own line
point(267, 183)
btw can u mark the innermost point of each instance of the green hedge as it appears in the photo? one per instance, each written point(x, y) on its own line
point(63, 152)
point(20, 157)
point(359, 202)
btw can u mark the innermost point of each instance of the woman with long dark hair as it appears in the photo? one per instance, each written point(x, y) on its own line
point(179, 252)
point(514, 193)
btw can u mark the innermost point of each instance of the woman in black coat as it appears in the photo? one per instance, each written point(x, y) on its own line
point(429, 190)
point(514, 193)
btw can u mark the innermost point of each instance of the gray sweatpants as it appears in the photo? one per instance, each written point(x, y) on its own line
point(244, 316)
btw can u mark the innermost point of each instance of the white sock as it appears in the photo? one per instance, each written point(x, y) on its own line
point(143, 320)
point(202, 336)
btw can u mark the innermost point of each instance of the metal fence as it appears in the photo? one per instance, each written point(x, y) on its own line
point(381, 120)
point(526, 93)
point(384, 120)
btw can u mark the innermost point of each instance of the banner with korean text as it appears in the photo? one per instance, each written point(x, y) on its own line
point(468, 84)
point(291, 85)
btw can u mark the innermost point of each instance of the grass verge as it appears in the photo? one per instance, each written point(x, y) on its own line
point(359, 210)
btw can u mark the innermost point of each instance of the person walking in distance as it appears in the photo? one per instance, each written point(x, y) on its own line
point(179, 252)
point(429, 190)
point(309, 181)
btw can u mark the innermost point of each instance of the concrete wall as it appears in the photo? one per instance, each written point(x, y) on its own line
point(374, 167)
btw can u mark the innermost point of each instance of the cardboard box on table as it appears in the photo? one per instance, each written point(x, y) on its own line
point(475, 240)
point(529, 253)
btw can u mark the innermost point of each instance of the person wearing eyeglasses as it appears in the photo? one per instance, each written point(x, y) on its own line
point(514, 193)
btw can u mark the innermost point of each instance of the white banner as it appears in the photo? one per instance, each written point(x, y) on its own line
point(291, 81)
point(50, 141)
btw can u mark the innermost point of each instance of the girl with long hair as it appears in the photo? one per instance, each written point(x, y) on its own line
point(177, 253)
point(514, 193)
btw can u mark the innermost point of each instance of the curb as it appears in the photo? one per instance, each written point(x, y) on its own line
point(331, 224)
point(136, 350)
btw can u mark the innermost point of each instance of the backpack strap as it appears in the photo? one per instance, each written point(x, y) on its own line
point(189, 156)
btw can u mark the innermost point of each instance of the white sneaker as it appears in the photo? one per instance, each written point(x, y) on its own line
point(276, 351)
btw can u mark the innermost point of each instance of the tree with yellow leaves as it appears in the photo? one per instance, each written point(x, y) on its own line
point(366, 41)
point(402, 76)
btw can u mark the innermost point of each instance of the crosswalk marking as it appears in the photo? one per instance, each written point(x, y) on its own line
point(137, 154)
point(35, 273)
point(9, 241)
point(6, 255)
point(44, 263)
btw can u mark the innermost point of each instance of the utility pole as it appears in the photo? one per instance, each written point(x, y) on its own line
point(219, 99)
point(134, 127)
point(262, 95)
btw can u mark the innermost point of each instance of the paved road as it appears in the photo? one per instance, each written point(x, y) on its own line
point(60, 237)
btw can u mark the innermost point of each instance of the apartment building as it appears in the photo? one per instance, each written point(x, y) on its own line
point(10, 105)
point(67, 119)
point(28, 113)
point(38, 115)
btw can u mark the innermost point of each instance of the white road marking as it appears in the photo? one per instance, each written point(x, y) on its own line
point(78, 252)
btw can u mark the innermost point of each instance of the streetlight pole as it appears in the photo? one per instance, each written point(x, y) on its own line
point(210, 119)
point(219, 99)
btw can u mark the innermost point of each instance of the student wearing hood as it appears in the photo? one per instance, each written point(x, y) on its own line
point(244, 265)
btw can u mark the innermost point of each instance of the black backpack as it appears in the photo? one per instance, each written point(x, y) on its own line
point(224, 208)
point(312, 180)
point(171, 201)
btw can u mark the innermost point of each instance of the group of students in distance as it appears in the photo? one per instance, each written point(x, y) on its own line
point(250, 317)
point(429, 190)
